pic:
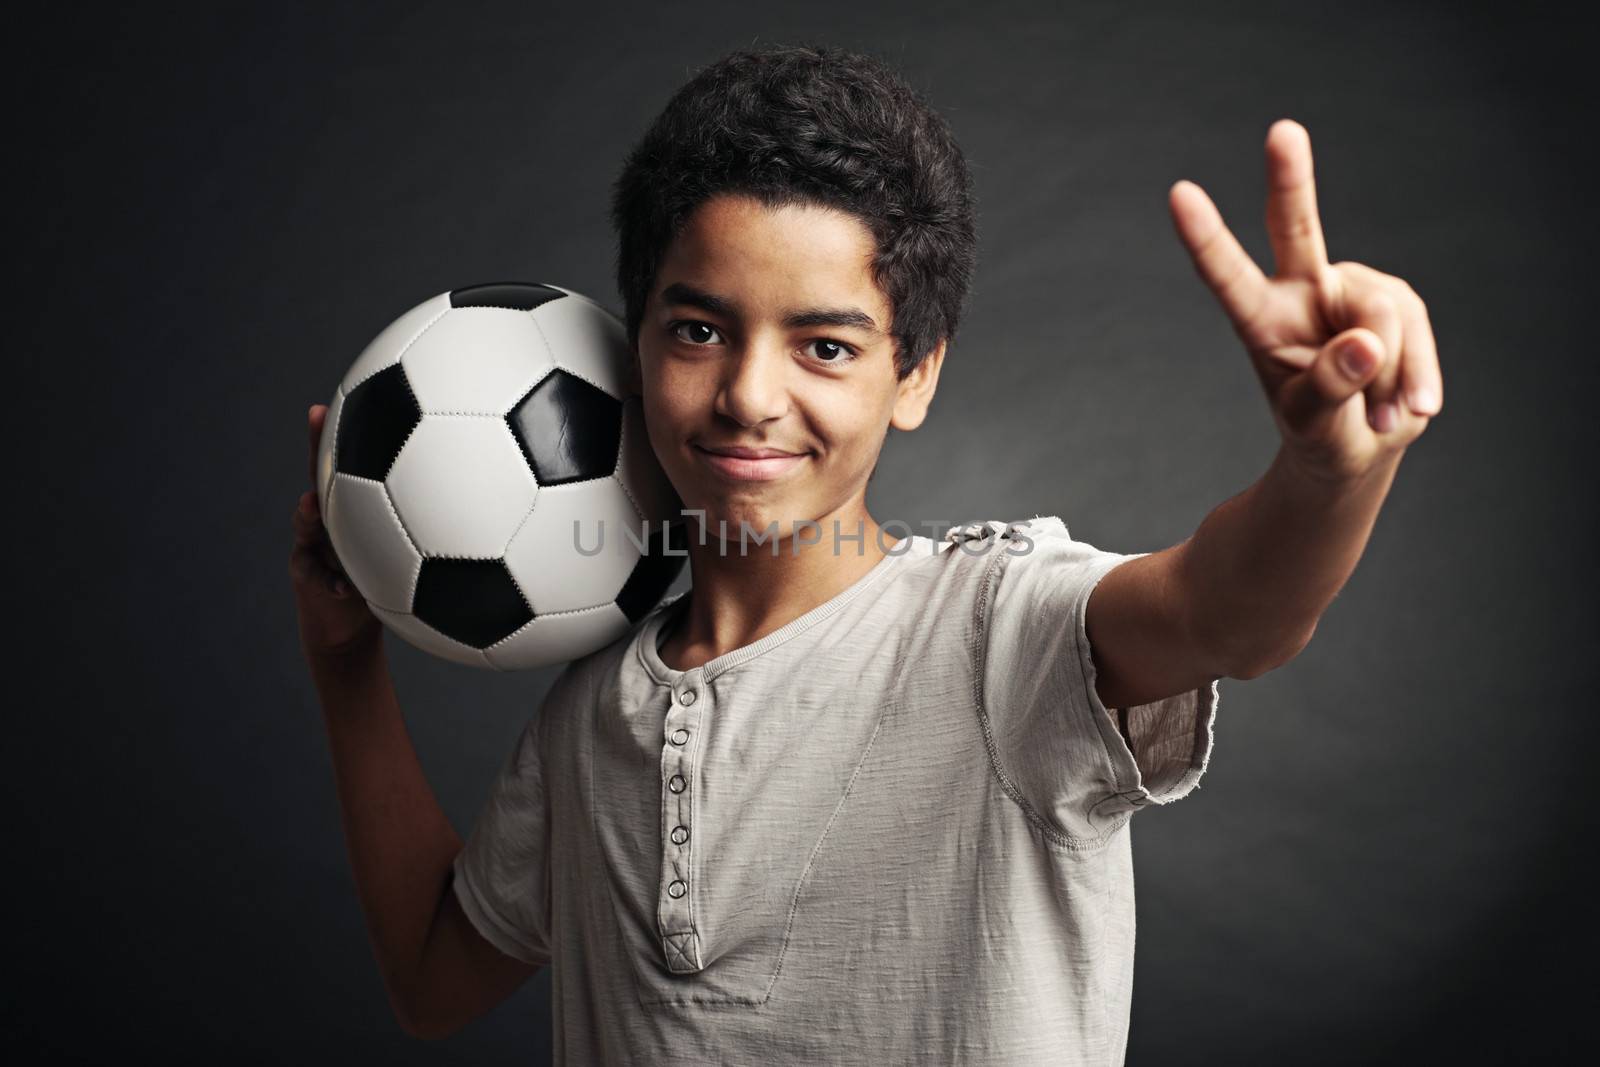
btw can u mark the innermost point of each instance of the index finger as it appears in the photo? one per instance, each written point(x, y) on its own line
point(1292, 219)
point(1222, 262)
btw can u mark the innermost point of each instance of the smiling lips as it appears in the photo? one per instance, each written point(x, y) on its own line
point(749, 464)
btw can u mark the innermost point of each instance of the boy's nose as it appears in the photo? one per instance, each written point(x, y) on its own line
point(755, 388)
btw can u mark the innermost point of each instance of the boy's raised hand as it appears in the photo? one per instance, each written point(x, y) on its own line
point(333, 616)
point(1339, 418)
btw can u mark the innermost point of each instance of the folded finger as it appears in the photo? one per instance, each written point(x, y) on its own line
point(307, 524)
point(1421, 383)
point(330, 560)
point(1312, 401)
point(1370, 307)
point(304, 566)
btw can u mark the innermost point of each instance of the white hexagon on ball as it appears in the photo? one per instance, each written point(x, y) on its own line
point(588, 341)
point(461, 486)
point(537, 553)
point(508, 353)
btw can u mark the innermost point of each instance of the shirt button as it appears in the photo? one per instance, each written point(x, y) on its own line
point(677, 889)
point(680, 736)
point(680, 834)
point(686, 697)
point(675, 783)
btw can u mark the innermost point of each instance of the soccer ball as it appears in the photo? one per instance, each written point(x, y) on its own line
point(487, 482)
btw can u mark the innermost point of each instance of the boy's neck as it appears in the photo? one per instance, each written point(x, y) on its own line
point(736, 600)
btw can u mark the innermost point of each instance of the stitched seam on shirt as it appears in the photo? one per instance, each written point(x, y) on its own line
point(805, 875)
point(794, 903)
point(695, 763)
point(1010, 788)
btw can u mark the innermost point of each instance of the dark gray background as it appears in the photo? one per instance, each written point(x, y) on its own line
point(221, 207)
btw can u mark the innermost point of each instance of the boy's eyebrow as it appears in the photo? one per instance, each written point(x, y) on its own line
point(854, 318)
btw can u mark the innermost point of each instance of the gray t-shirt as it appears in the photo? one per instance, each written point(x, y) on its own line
point(893, 831)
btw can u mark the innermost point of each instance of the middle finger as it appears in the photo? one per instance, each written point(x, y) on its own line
point(1293, 222)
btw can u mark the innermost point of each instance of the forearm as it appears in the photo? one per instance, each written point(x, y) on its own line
point(1264, 565)
point(401, 845)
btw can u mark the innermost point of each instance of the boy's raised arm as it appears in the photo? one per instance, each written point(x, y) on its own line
point(401, 843)
point(1240, 597)
point(1348, 360)
point(439, 972)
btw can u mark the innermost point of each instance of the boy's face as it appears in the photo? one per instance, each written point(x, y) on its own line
point(720, 368)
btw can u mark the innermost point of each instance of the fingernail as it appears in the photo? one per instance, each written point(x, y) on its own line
point(1354, 358)
point(311, 410)
point(1423, 402)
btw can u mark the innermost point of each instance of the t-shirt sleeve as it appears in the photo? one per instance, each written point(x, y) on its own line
point(1080, 767)
point(502, 873)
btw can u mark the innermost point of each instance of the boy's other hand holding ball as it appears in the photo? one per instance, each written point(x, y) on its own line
point(334, 617)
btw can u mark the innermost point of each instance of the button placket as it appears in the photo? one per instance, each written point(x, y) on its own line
point(680, 940)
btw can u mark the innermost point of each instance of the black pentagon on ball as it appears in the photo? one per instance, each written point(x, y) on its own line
point(474, 601)
point(519, 296)
point(654, 574)
point(568, 429)
point(378, 416)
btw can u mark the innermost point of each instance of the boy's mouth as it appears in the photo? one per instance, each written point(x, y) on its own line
point(743, 464)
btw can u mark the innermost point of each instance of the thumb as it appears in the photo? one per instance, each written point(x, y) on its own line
point(1342, 369)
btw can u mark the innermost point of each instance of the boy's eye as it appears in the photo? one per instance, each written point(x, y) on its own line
point(827, 352)
point(842, 353)
point(673, 329)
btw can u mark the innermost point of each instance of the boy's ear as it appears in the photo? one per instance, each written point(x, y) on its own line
point(916, 391)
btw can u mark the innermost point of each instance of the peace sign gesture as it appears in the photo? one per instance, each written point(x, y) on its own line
point(1345, 352)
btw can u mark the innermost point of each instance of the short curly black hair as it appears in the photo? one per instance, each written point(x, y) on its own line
point(817, 125)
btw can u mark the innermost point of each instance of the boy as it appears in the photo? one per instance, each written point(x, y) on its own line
point(865, 798)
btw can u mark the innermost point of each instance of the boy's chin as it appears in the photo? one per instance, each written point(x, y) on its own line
point(758, 525)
